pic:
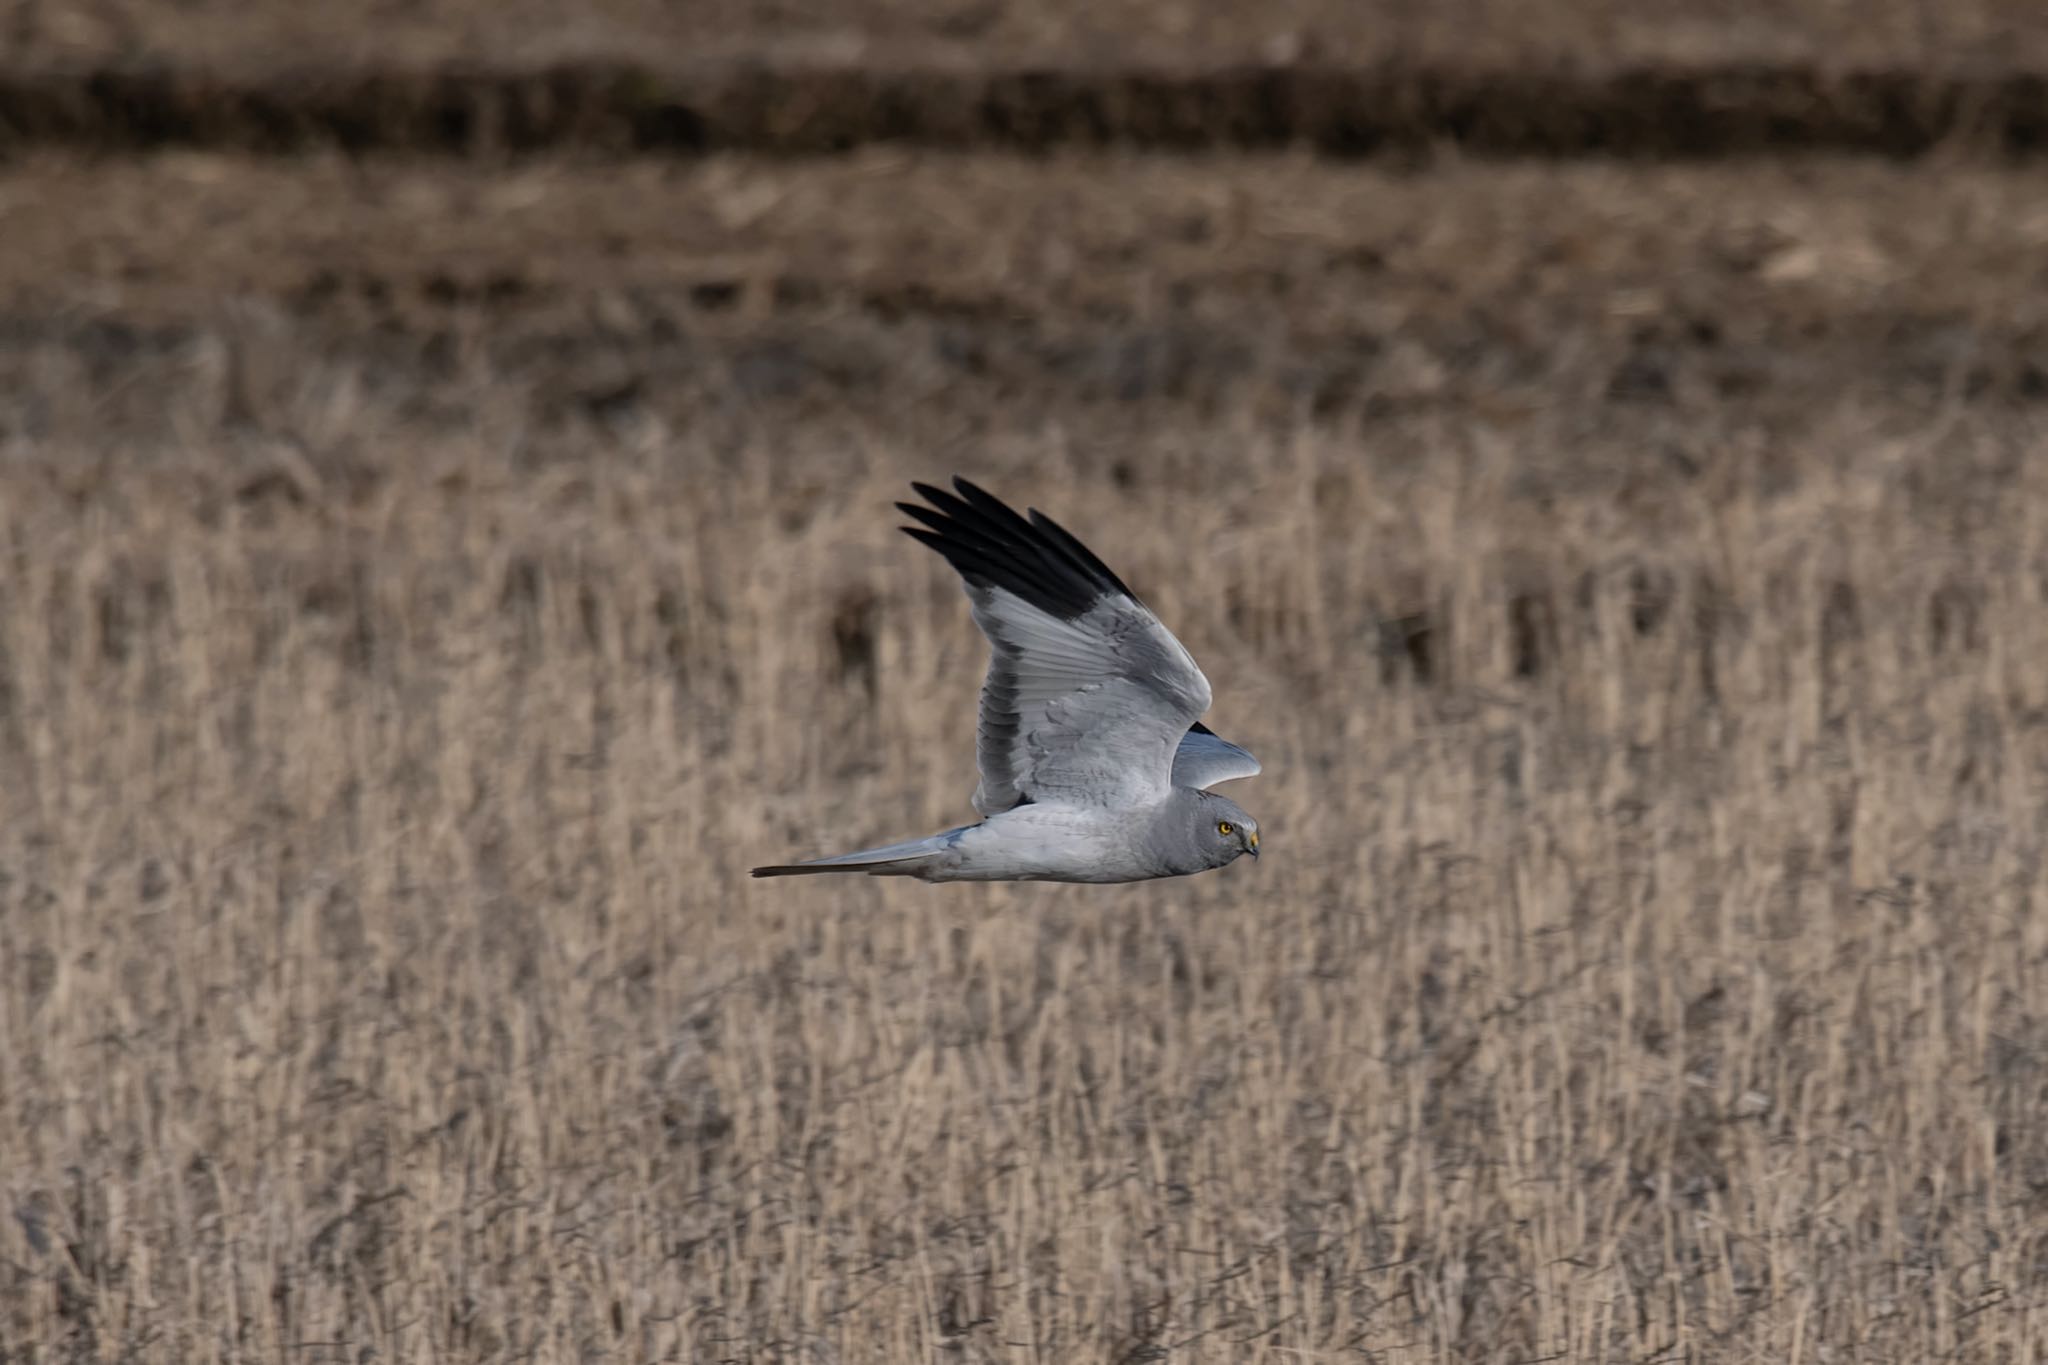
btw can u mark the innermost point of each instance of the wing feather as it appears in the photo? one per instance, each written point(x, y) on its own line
point(1205, 758)
point(1088, 695)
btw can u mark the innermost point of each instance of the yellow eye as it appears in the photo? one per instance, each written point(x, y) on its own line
point(1225, 827)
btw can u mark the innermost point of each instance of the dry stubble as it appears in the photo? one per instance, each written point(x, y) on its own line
point(1647, 965)
point(1631, 578)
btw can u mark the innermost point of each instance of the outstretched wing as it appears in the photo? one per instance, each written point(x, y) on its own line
point(1087, 694)
point(1206, 758)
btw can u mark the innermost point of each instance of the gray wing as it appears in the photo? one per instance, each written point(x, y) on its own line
point(1087, 695)
point(1206, 758)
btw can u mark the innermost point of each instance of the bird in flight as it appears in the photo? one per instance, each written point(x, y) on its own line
point(1094, 761)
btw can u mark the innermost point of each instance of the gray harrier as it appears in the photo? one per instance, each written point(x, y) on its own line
point(1093, 759)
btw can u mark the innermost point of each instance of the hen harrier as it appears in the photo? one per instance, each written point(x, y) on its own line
point(1093, 759)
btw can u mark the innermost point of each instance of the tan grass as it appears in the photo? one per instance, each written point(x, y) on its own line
point(1647, 966)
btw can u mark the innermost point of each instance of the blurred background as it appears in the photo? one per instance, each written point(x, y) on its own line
point(1594, 449)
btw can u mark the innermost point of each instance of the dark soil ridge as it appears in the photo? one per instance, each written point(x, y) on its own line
point(1663, 112)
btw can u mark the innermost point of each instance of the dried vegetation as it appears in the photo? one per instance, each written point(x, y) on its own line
point(1633, 580)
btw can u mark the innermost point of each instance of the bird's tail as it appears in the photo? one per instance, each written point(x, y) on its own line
point(907, 859)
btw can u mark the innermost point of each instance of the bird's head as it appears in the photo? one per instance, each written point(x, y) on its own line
point(1225, 830)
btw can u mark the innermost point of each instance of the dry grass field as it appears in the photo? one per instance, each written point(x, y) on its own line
point(427, 589)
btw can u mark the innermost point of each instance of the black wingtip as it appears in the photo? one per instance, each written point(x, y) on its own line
point(990, 545)
point(1071, 546)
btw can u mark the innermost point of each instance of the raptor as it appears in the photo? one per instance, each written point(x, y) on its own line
point(1095, 766)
